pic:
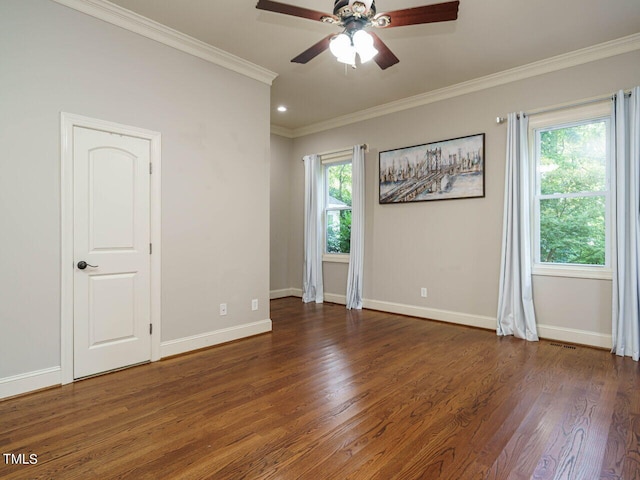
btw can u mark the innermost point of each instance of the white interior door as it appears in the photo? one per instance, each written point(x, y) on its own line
point(111, 217)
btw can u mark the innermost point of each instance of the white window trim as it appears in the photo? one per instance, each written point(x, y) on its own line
point(571, 116)
point(333, 158)
point(573, 271)
point(336, 257)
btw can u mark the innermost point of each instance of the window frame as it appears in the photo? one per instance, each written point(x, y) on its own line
point(560, 119)
point(329, 160)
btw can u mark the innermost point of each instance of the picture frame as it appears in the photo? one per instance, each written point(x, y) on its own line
point(442, 170)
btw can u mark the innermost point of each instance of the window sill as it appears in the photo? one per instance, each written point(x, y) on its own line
point(336, 257)
point(598, 273)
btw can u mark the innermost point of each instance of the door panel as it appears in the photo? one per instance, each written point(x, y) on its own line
point(111, 234)
point(111, 309)
point(112, 184)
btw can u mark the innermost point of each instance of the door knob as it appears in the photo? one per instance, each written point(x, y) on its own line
point(82, 265)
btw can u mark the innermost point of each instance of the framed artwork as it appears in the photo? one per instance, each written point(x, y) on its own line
point(443, 170)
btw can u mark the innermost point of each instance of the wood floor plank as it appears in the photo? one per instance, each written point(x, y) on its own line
point(622, 456)
point(337, 394)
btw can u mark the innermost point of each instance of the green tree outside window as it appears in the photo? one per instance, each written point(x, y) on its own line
point(338, 211)
point(572, 183)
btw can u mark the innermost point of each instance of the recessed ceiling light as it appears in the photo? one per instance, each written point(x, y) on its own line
point(282, 108)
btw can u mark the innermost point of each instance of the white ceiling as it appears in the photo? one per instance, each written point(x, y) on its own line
point(489, 36)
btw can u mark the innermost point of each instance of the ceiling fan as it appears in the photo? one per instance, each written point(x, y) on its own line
point(356, 17)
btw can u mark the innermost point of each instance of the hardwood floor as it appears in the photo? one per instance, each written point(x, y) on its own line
point(336, 394)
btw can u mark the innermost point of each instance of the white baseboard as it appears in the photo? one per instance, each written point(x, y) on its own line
point(203, 340)
point(297, 292)
point(479, 321)
point(334, 298)
point(28, 382)
point(285, 292)
point(570, 335)
point(411, 310)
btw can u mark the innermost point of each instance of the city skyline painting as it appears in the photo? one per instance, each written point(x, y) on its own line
point(447, 169)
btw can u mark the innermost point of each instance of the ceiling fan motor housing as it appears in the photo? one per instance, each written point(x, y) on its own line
point(343, 9)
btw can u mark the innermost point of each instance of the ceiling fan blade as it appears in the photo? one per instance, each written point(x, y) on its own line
point(314, 51)
point(278, 7)
point(385, 57)
point(440, 12)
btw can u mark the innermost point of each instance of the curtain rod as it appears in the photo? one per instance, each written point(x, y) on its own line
point(364, 146)
point(564, 106)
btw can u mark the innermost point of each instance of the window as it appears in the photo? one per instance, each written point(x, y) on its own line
point(337, 211)
point(571, 194)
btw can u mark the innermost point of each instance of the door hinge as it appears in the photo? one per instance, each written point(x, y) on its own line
point(150, 168)
point(150, 248)
point(150, 328)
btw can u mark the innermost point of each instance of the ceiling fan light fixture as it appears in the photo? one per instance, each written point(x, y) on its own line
point(342, 49)
point(363, 44)
point(367, 55)
point(348, 57)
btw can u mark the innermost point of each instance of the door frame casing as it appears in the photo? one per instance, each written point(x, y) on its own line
point(67, 123)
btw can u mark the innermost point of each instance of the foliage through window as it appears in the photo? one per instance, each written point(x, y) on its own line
point(337, 178)
point(571, 201)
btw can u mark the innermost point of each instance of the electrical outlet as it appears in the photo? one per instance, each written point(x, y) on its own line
point(254, 304)
point(423, 292)
point(223, 309)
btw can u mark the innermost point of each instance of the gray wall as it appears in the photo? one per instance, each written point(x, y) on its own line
point(280, 211)
point(215, 169)
point(453, 247)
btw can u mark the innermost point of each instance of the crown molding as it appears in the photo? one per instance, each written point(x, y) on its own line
point(578, 57)
point(282, 131)
point(135, 23)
